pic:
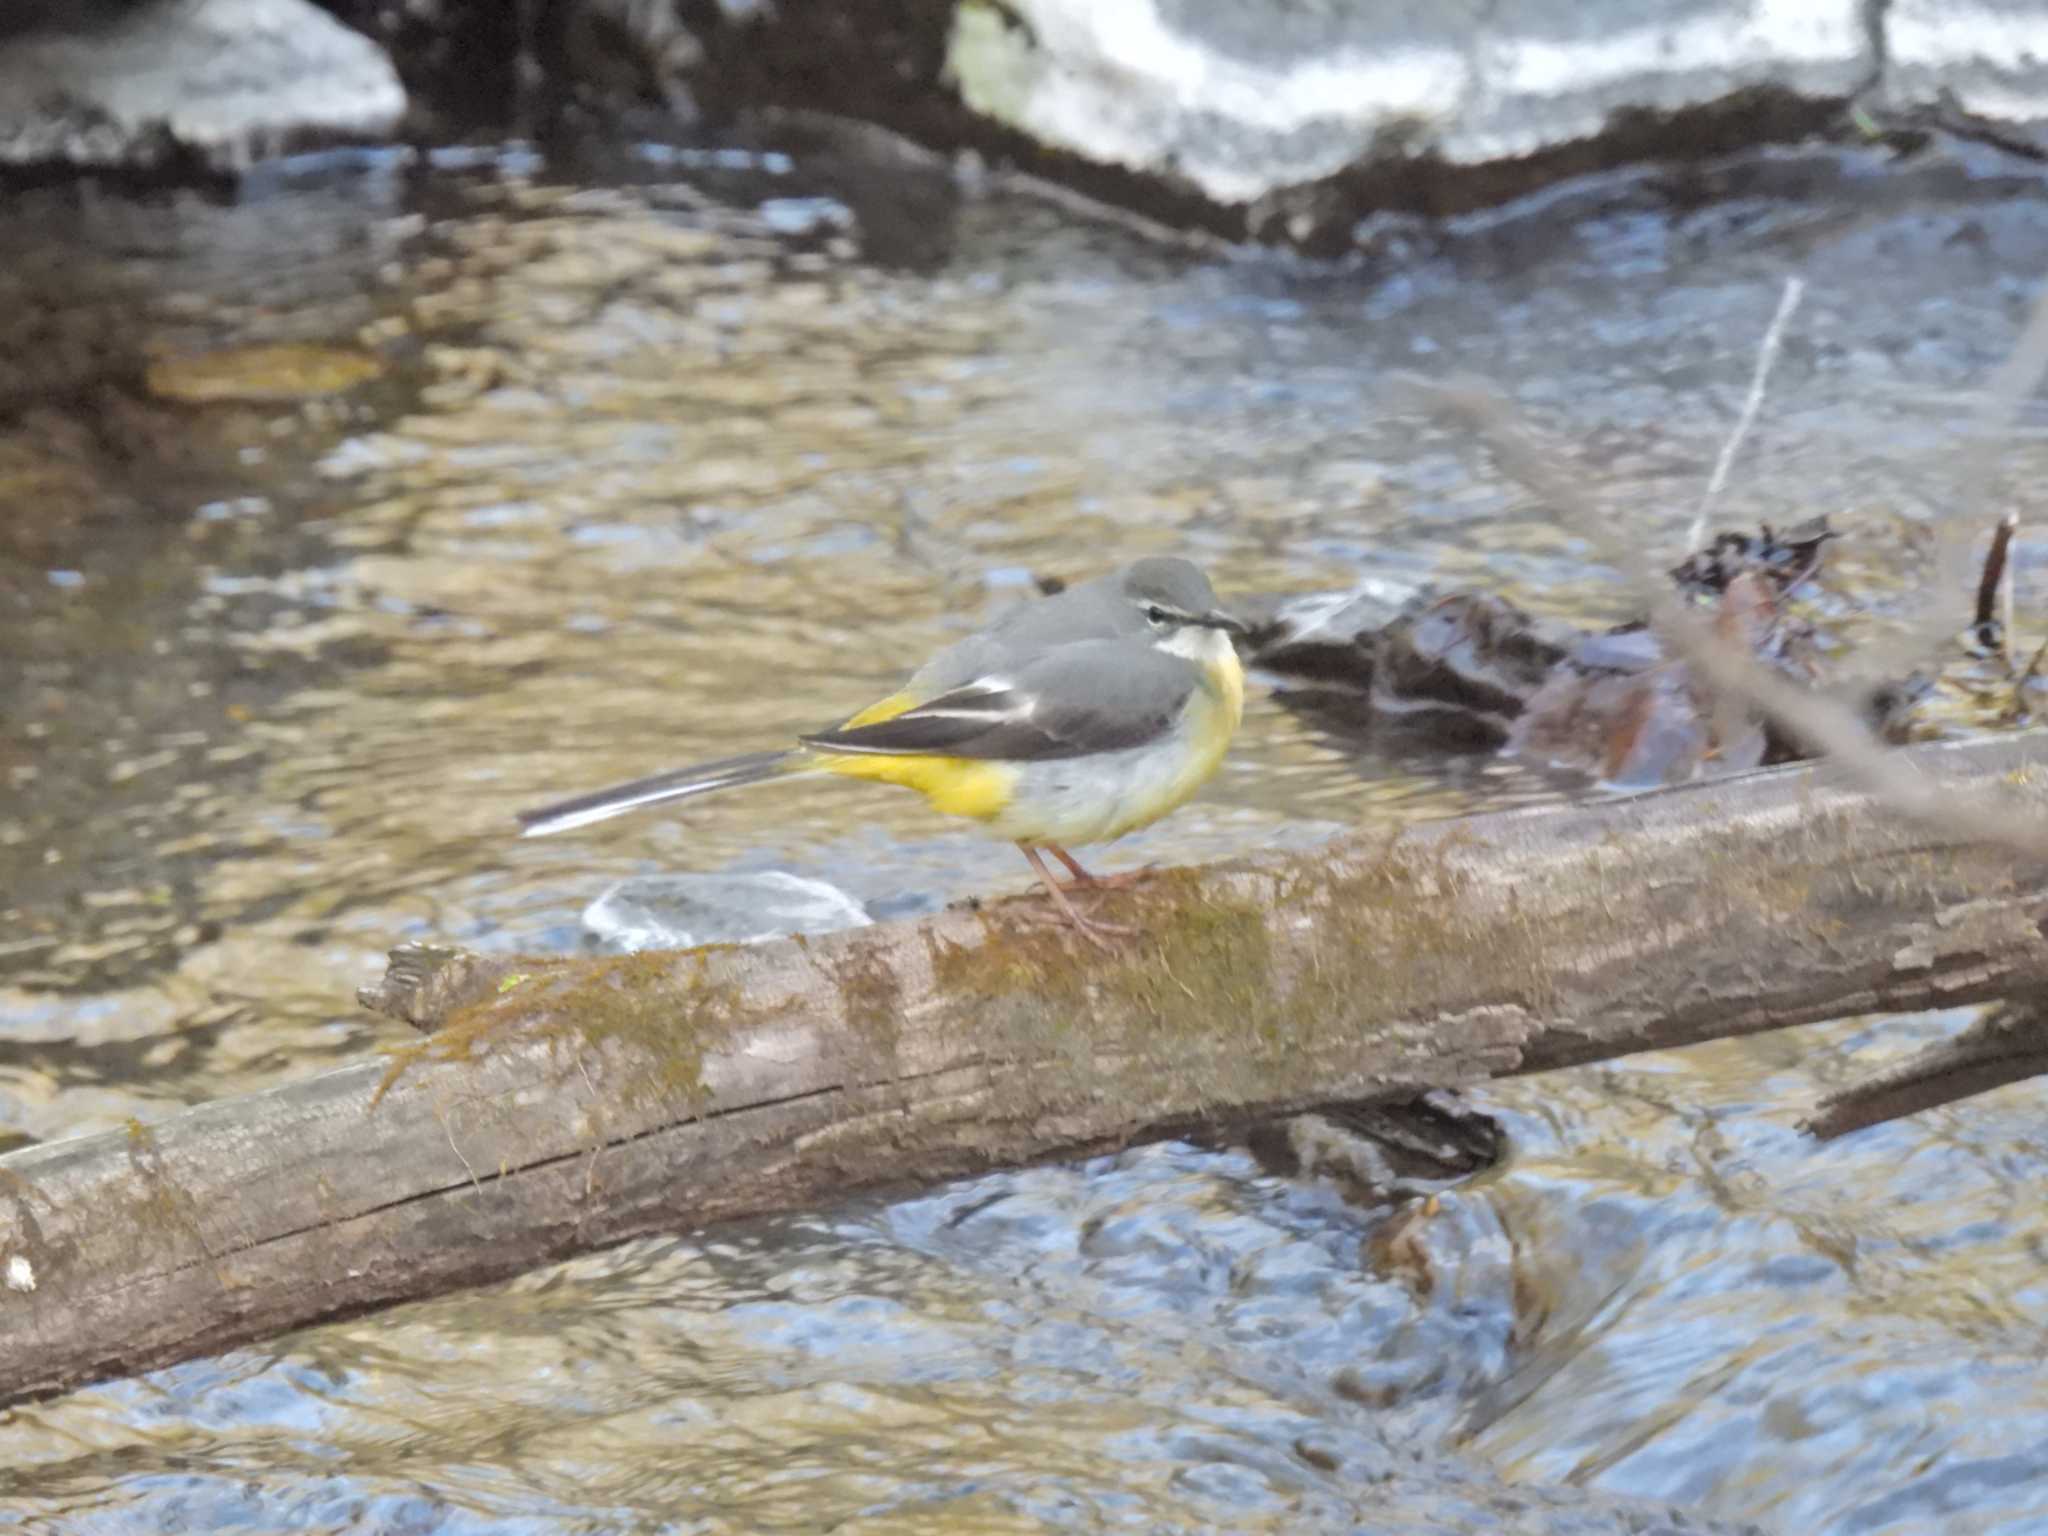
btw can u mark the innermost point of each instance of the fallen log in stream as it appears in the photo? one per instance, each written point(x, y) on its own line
point(561, 1104)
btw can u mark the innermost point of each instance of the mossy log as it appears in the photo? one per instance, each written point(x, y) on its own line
point(558, 1105)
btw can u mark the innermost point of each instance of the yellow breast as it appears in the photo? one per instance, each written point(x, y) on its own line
point(1214, 715)
point(1223, 678)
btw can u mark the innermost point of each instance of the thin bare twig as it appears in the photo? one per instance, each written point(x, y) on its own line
point(1994, 591)
point(2005, 607)
point(1766, 355)
point(2011, 386)
point(2033, 671)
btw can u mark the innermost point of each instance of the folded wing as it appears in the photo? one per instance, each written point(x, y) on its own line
point(1072, 701)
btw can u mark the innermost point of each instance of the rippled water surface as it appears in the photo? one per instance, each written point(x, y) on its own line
point(343, 521)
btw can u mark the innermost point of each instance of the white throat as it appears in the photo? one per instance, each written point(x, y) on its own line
point(1197, 643)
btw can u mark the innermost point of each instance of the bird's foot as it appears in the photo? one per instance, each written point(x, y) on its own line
point(1122, 880)
point(1105, 936)
point(1102, 935)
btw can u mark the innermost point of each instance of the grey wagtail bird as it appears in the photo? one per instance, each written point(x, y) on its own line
point(1070, 720)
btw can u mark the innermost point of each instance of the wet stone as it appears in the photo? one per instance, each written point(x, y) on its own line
point(273, 373)
point(224, 81)
point(1458, 668)
point(1474, 657)
point(1469, 671)
point(1325, 637)
point(1250, 104)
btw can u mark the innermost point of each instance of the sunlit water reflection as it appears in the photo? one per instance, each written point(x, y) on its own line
point(658, 459)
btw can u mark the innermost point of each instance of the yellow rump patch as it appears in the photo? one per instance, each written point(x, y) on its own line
point(953, 786)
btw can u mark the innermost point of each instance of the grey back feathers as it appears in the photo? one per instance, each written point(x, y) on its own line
point(1076, 699)
point(1109, 607)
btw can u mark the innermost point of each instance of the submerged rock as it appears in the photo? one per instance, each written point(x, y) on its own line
point(1472, 672)
point(1456, 669)
point(276, 372)
point(682, 911)
point(207, 84)
point(1326, 637)
point(1379, 1153)
point(1469, 663)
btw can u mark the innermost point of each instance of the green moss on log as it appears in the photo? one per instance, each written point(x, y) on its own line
point(623, 1010)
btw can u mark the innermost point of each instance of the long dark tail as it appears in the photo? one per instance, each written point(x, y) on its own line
point(603, 804)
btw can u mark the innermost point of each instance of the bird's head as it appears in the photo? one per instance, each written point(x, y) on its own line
point(1172, 597)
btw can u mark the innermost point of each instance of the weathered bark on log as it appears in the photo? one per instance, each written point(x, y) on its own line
point(564, 1104)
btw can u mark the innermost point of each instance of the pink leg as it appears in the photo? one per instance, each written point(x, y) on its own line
point(1105, 882)
point(1098, 933)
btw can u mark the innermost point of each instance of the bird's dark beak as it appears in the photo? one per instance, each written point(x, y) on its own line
point(1216, 618)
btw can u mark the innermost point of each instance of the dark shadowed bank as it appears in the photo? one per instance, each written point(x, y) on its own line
point(1331, 129)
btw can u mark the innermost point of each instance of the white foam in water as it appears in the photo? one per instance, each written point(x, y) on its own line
point(680, 911)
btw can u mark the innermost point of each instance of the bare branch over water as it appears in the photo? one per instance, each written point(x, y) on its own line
point(1766, 355)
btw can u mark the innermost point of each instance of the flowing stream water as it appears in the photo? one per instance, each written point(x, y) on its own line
point(342, 520)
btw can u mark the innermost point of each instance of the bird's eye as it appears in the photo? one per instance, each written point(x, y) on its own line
point(1156, 614)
